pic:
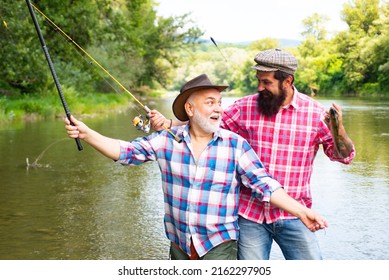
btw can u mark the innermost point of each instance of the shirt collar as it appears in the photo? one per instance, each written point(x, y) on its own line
point(186, 136)
point(296, 100)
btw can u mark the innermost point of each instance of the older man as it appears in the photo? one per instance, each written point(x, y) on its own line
point(201, 175)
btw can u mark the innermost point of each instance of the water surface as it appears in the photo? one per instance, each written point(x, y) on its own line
point(81, 205)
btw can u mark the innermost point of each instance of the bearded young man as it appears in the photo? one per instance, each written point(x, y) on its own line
point(201, 175)
point(285, 128)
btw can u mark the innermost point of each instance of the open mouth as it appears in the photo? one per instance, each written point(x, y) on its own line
point(215, 117)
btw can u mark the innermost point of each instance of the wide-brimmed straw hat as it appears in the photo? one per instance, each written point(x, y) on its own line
point(198, 83)
point(275, 59)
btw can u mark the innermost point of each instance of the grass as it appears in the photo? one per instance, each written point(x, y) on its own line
point(37, 106)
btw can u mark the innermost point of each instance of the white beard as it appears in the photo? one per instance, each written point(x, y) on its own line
point(204, 123)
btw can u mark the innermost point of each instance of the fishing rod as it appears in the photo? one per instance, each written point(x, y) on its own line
point(51, 66)
point(139, 122)
point(213, 41)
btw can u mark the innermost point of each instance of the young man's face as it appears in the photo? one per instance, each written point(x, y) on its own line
point(271, 93)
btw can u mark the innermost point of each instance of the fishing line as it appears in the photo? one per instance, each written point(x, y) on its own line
point(35, 164)
point(89, 62)
point(87, 54)
point(139, 121)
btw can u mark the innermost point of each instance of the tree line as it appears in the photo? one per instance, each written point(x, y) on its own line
point(352, 62)
point(150, 52)
point(126, 37)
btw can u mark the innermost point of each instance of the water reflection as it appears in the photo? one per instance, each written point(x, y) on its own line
point(80, 205)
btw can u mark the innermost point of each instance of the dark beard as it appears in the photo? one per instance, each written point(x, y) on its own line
point(269, 104)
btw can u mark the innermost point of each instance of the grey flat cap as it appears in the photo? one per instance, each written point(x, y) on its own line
point(275, 59)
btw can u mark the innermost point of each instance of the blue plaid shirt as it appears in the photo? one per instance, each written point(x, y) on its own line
point(201, 198)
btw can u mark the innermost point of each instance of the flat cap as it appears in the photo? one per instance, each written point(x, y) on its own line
point(275, 59)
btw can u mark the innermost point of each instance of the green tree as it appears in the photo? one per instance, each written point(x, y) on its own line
point(319, 64)
point(20, 54)
point(142, 46)
point(125, 35)
point(378, 54)
point(314, 26)
point(356, 45)
point(25, 67)
point(360, 15)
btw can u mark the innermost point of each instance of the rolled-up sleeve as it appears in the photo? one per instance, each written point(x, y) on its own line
point(135, 152)
point(255, 176)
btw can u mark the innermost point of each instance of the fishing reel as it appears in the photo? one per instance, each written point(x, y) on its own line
point(142, 123)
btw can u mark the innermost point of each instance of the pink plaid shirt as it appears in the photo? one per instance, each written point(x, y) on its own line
point(287, 144)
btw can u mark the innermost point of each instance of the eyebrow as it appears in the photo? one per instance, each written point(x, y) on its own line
point(212, 98)
point(263, 80)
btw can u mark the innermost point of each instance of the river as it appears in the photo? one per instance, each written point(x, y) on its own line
point(78, 205)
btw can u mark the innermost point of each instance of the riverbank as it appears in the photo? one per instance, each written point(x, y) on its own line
point(33, 107)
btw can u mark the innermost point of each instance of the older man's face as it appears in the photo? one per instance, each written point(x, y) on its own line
point(205, 109)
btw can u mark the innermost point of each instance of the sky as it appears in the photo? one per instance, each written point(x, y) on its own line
point(252, 20)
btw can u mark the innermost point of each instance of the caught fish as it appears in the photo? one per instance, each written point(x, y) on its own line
point(334, 125)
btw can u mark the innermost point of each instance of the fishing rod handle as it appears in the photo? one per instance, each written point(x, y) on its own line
point(78, 141)
point(79, 146)
point(178, 139)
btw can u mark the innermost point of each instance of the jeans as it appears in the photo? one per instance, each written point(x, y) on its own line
point(295, 240)
point(224, 251)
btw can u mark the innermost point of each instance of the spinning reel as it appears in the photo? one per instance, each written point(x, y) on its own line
point(142, 123)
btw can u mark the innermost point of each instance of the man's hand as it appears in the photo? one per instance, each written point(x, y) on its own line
point(78, 130)
point(313, 221)
point(158, 121)
point(342, 143)
point(107, 146)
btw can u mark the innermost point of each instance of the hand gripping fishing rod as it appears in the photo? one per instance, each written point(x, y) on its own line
point(48, 58)
point(139, 122)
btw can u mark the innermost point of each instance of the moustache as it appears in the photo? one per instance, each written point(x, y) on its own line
point(265, 93)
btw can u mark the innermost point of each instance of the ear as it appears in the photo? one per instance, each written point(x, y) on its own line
point(287, 82)
point(188, 109)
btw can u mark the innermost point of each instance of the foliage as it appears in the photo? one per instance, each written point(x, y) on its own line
point(354, 61)
point(126, 35)
point(368, 24)
point(20, 55)
point(314, 26)
point(318, 59)
point(146, 52)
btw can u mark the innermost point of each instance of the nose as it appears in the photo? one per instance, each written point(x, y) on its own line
point(218, 108)
point(260, 86)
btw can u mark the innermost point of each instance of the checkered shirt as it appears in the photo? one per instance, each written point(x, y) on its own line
point(201, 198)
point(287, 144)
